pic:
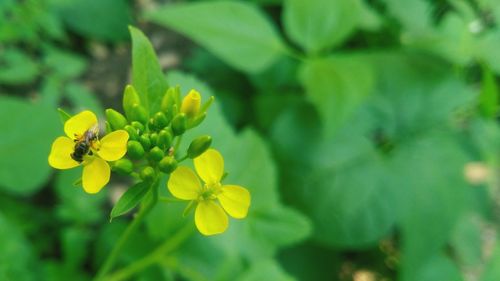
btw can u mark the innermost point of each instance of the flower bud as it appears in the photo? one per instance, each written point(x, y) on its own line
point(115, 119)
point(135, 150)
point(154, 138)
point(169, 100)
point(145, 142)
point(168, 164)
point(179, 124)
point(199, 145)
point(147, 174)
point(139, 113)
point(123, 166)
point(156, 154)
point(191, 104)
point(132, 132)
point(164, 139)
point(138, 126)
point(130, 97)
point(160, 120)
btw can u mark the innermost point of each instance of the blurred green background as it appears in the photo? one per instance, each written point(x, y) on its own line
point(366, 130)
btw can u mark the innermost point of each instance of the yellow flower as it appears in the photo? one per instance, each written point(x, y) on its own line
point(210, 217)
point(191, 103)
point(82, 146)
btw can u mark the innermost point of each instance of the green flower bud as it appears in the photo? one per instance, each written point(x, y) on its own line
point(164, 139)
point(145, 142)
point(154, 138)
point(204, 108)
point(130, 97)
point(139, 113)
point(135, 150)
point(138, 126)
point(179, 124)
point(132, 132)
point(156, 154)
point(168, 164)
point(199, 145)
point(160, 120)
point(115, 119)
point(147, 174)
point(169, 100)
point(123, 166)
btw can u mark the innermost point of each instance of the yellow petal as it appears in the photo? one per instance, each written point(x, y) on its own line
point(210, 166)
point(191, 103)
point(235, 200)
point(113, 145)
point(209, 218)
point(184, 184)
point(78, 124)
point(95, 175)
point(60, 154)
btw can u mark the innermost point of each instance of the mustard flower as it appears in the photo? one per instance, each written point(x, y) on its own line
point(210, 217)
point(81, 146)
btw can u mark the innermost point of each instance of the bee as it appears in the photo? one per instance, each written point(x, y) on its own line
point(84, 143)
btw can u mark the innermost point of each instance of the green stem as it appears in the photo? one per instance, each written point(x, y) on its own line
point(131, 228)
point(178, 143)
point(156, 256)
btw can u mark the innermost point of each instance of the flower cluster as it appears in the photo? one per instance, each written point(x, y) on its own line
point(145, 145)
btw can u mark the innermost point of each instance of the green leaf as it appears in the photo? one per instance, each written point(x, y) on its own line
point(235, 31)
point(430, 201)
point(439, 267)
point(17, 67)
point(63, 64)
point(318, 25)
point(63, 115)
point(147, 77)
point(265, 270)
point(16, 255)
point(334, 90)
point(27, 132)
point(102, 20)
point(130, 199)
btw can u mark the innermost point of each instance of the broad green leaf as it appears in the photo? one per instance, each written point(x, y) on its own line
point(265, 270)
point(414, 15)
point(147, 77)
point(439, 267)
point(235, 31)
point(129, 199)
point(318, 25)
point(17, 259)
point(102, 20)
point(334, 90)
point(430, 201)
point(28, 130)
point(17, 67)
point(75, 245)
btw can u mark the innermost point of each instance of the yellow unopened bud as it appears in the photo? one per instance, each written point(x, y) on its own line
point(191, 104)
